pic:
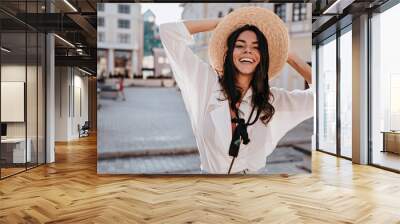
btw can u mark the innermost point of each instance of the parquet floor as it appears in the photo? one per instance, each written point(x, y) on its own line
point(9, 171)
point(70, 191)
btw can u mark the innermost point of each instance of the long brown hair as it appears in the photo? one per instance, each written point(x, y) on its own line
point(260, 85)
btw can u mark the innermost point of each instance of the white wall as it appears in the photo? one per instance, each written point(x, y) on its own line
point(79, 117)
point(70, 83)
point(61, 103)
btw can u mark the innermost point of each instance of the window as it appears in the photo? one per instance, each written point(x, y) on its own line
point(124, 23)
point(100, 36)
point(124, 9)
point(327, 96)
point(220, 14)
point(22, 106)
point(299, 12)
point(100, 21)
point(151, 19)
point(122, 60)
point(230, 10)
point(280, 10)
point(166, 71)
point(346, 94)
point(385, 89)
point(100, 7)
point(124, 38)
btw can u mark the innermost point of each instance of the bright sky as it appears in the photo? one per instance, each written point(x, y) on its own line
point(164, 12)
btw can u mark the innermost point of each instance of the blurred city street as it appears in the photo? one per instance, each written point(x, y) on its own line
point(150, 132)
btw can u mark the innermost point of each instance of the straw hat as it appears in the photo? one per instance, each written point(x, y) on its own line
point(266, 21)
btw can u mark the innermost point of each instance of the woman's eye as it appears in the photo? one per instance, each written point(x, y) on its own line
point(238, 46)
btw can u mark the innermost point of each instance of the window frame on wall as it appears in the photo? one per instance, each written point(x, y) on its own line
point(124, 38)
point(124, 24)
point(318, 87)
point(37, 45)
point(100, 7)
point(344, 23)
point(299, 12)
point(334, 37)
point(342, 32)
point(100, 21)
point(280, 10)
point(101, 36)
point(381, 9)
point(124, 9)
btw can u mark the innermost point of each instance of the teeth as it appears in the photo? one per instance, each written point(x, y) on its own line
point(246, 60)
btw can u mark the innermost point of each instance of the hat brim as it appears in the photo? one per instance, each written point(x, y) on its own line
point(266, 21)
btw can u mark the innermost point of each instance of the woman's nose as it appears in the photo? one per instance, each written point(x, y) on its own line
point(247, 50)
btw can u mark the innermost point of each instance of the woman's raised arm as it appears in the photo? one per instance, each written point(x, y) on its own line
point(204, 25)
point(194, 76)
point(300, 66)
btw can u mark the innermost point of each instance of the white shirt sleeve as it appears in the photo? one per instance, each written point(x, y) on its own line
point(291, 108)
point(194, 77)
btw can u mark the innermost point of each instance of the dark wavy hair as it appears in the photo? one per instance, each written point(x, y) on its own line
point(261, 93)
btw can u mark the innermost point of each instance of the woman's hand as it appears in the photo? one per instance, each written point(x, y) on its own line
point(300, 66)
point(204, 25)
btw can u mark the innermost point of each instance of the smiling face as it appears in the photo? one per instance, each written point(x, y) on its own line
point(246, 54)
point(247, 58)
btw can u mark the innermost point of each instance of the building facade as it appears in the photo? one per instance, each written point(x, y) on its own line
point(119, 39)
point(161, 64)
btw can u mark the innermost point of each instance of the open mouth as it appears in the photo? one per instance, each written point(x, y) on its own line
point(246, 60)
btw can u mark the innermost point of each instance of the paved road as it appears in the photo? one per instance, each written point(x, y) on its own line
point(154, 120)
point(150, 118)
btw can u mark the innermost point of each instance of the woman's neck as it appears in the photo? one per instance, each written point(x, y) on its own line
point(243, 82)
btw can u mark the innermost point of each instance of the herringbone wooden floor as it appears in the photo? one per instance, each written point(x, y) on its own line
point(70, 191)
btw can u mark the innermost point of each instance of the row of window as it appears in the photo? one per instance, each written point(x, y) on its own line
point(299, 11)
point(124, 9)
point(123, 38)
point(122, 23)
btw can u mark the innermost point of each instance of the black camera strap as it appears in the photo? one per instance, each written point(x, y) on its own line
point(240, 134)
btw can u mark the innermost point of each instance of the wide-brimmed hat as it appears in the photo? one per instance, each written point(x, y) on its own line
point(266, 21)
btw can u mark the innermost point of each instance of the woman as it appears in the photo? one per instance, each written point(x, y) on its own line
point(234, 113)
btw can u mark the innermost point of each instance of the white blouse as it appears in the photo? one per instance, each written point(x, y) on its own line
point(210, 117)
